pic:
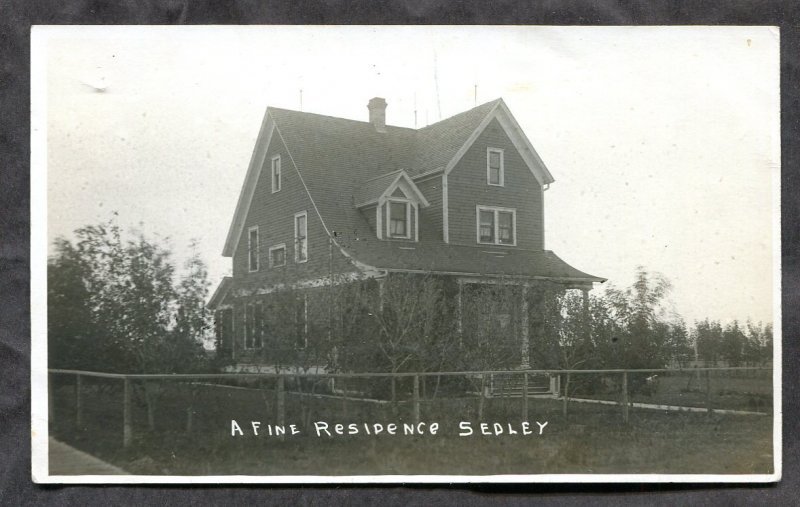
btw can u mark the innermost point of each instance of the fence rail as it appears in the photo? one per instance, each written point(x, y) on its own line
point(621, 387)
point(165, 376)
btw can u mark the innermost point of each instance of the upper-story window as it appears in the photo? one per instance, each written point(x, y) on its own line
point(301, 237)
point(252, 248)
point(277, 255)
point(398, 219)
point(276, 173)
point(494, 167)
point(496, 226)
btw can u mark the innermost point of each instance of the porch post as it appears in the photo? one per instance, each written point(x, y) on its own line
point(526, 355)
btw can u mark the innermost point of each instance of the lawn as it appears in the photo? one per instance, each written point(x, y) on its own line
point(591, 439)
point(744, 393)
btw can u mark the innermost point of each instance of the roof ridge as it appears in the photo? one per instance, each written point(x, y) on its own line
point(340, 118)
point(495, 101)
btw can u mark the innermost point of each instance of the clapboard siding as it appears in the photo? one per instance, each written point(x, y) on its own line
point(430, 220)
point(273, 213)
point(467, 188)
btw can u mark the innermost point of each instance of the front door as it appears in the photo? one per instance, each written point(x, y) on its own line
point(491, 324)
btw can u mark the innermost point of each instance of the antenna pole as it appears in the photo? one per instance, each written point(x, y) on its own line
point(415, 109)
point(436, 82)
point(475, 96)
point(301, 99)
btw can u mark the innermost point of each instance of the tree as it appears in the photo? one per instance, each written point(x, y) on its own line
point(640, 313)
point(708, 337)
point(114, 305)
point(732, 346)
point(681, 350)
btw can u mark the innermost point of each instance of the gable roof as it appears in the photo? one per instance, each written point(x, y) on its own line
point(344, 164)
point(439, 142)
point(380, 187)
point(336, 158)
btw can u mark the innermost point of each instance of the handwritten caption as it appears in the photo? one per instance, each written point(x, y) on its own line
point(332, 430)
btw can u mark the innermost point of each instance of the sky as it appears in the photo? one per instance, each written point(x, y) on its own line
point(664, 142)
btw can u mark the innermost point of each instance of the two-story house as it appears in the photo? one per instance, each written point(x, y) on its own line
point(331, 200)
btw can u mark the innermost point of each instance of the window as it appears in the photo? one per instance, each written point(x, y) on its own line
point(505, 227)
point(252, 248)
point(301, 237)
point(276, 173)
point(494, 167)
point(398, 219)
point(301, 322)
point(486, 226)
point(497, 226)
point(277, 256)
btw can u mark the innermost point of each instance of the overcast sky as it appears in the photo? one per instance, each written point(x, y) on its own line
point(663, 141)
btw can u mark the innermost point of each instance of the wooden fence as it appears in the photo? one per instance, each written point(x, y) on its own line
point(561, 377)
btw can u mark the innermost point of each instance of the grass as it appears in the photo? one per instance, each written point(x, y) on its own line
point(591, 439)
point(753, 394)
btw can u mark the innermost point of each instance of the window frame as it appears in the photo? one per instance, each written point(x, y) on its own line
point(496, 225)
point(273, 248)
point(279, 173)
point(502, 174)
point(297, 251)
point(250, 231)
point(407, 203)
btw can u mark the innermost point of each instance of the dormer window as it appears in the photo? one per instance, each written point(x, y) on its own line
point(496, 226)
point(394, 201)
point(494, 167)
point(276, 173)
point(398, 219)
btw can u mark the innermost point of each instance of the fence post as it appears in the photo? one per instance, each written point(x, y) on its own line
point(190, 410)
point(394, 396)
point(416, 399)
point(708, 393)
point(344, 396)
point(127, 427)
point(281, 401)
point(625, 403)
point(481, 396)
point(78, 402)
point(524, 396)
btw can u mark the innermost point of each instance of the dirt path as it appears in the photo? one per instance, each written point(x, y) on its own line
point(66, 460)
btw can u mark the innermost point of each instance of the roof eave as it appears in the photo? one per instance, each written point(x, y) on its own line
point(248, 187)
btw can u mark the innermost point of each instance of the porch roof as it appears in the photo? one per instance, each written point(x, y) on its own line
point(481, 260)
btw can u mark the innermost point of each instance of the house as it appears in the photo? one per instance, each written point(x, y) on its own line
point(329, 201)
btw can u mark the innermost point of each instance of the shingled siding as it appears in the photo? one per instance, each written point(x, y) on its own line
point(430, 221)
point(273, 213)
point(467, 188)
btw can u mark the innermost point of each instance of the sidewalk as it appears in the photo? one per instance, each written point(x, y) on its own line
point(66, 460)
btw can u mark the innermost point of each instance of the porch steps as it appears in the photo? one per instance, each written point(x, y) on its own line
point(512, 385)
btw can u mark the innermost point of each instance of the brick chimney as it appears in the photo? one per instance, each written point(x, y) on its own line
point(377, 113)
